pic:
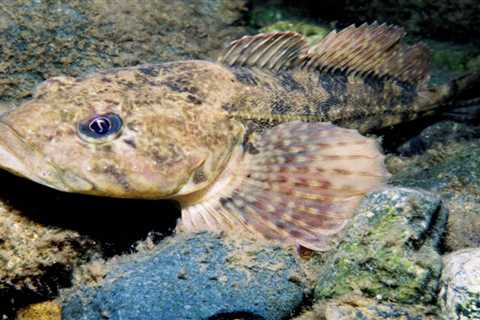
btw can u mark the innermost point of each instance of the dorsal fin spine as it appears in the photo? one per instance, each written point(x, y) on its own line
point(271, 50)
point(267, 47)
point(270, 60)
point(259, 47)
point(368, 50)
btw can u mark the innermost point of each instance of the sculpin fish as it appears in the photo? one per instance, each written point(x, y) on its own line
point(266, 140)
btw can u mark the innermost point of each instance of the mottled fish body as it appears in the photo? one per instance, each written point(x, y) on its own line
point(261, 141)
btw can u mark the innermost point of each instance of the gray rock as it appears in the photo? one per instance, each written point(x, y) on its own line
point(366, 309)
point(460, 289)
point(453, 171)
point(442, 19)
point(357, 307)
point(42, 39)
point(389, 250)
point(438, 133)
point(195, 277)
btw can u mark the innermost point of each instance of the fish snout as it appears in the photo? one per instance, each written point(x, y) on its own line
point(22, 159)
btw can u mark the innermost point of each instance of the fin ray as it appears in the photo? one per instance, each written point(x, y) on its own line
point(370, 49)
point(265, 195)
point(366, 50)
point(276, 50)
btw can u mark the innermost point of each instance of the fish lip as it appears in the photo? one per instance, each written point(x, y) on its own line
point(23, 159)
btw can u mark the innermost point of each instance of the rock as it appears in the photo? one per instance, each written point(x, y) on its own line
point(389, 250)
point(313, 32)
point(452, 170)
point(36, 260)
point(460, 285)
point(451, 20)
point(194, 277)
point(357, 307)
point(42, 39)
point(474, 63)
point(266, 13)
point(48, 310)
point(437, 134)
point(372, 310)
point(45, 235)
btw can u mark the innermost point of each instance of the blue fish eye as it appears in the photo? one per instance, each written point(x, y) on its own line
point(100, 126)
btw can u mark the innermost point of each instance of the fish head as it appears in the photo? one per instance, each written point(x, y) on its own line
point(93, 136)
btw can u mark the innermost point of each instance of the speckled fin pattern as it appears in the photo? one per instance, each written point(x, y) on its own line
point(367, 50)
point(277, 50)
point(371, 50)
point(301, 187)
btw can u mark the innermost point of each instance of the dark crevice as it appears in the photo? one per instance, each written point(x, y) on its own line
point(307, 303)
point(240, 315)
point(116, 225)
point(54, 278)
point(432, 232)
point(395, 136)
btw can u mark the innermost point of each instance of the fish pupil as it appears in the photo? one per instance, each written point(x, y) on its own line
point(100, 125)
point(100, 128)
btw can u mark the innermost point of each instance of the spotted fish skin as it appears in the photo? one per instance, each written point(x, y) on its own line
point(175, 134)
point(265, 141)
point(366, 104)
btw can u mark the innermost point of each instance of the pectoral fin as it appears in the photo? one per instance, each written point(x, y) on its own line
point(301, 187)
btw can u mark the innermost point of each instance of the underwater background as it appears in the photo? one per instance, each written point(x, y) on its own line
point(418, 258)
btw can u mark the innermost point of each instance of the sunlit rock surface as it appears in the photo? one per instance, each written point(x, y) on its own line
point(460, 293)
point(389, 251)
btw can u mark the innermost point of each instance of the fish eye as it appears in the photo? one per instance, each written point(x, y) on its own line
point(100, 125)
point(100, 128)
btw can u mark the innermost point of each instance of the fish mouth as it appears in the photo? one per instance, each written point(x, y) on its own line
point(24, 160)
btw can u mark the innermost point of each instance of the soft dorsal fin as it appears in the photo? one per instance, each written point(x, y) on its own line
point(277, 50)
point(370, 50)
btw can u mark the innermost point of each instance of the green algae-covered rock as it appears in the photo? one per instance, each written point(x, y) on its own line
point(264, 14)
point(443, 19)
point(389, 250)
point(313, 32)
point(474, 64)
point(455, 20)
point(450, 59)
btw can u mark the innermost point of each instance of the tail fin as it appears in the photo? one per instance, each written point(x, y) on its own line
point(461, 100)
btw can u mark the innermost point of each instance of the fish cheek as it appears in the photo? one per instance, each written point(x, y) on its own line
point(112, 179)
point(148, 173)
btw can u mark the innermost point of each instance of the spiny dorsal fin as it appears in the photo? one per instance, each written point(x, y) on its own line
point(302, 186)
point(277, 50)
point(370, 50)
